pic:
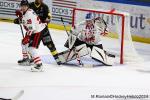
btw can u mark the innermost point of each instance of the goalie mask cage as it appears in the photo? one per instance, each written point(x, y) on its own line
point(118, 26)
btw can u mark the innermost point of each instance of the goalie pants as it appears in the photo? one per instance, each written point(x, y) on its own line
point(79, 42)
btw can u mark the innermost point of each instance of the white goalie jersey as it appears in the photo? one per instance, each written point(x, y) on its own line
point(32, 22)
point(90, 33)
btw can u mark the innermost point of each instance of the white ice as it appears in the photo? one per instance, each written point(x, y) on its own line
point(66, 82)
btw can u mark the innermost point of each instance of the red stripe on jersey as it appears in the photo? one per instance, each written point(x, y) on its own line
point(37, 40)
point(36, 58)
point(25, 27)
point(34, 40)
point(38, 61)
point(29, 33)
point(25, 55)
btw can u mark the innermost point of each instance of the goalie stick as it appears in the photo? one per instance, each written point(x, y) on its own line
point(18, 95)
point(64, 26)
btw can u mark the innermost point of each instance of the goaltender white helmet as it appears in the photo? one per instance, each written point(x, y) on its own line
point(89, 16)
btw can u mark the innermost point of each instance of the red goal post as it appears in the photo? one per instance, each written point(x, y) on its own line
point(111, 13)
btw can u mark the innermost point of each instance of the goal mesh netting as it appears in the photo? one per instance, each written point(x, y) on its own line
point(118, 40)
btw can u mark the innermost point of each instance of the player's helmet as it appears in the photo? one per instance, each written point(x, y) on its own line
point(24, 2)
point(89, 16)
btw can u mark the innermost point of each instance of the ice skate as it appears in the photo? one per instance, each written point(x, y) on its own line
point(24, 62)
point(37, 68)
point(58, 61)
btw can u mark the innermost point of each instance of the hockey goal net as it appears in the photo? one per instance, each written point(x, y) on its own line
point(118, 40)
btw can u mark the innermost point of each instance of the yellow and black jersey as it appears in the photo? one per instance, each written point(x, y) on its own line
point(41, 10)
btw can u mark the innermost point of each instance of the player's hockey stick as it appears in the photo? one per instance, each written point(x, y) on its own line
point(21, 30)
point(21, 27)
point(15, 97)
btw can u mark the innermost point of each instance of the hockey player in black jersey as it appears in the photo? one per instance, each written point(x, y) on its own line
point(42, 11)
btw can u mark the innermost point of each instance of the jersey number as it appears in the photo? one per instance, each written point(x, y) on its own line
point(29, 21)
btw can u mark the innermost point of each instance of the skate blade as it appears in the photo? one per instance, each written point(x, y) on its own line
point(24, 64)
point(37, 70)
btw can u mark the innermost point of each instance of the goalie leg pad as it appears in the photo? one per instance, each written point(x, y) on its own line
point(100, 55)
point(70, 54)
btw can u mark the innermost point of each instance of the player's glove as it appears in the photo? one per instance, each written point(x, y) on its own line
point(18, 14)
point(26, 40)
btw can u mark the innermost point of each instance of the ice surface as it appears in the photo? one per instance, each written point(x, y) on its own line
point(65, 82)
